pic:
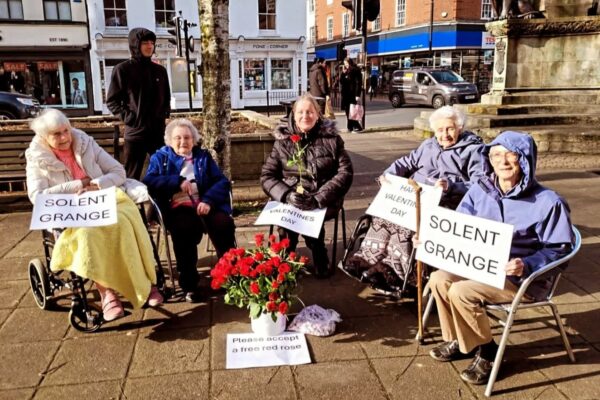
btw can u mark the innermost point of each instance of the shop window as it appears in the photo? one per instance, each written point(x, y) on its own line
point(266, 14)
point(376, 25)
point(11, 9)
point(57, 10)
point(254, 74)
point(486, 9)
point(115, 13)
point(281, 74)
point(164, 10)
point(345, 24)
point(179, 77)
point(329, 28)
point(400, 12)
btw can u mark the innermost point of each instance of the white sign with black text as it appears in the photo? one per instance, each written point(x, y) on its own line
point(247, 350)
point(472, 247)
point(306, 223)
point(396, 201)
point(93, 208)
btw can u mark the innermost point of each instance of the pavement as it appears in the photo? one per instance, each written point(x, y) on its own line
point(177, 351)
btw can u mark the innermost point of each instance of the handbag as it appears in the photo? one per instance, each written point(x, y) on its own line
point(328, 108)
point(356, 112)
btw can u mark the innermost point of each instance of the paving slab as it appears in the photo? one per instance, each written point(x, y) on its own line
point(12, 292)
point(343, 345)
point(340, 380)
point(17, 394)
point(129, 325)
point(590, 282)
point(13, 269)
point(91, 359)
point(165, 352)
point(88, 391)
point(4, 315)
point(582, 319)
point(192, 386)
point(218, 340)
point(178, 315)
point(23, 364)
point(30, 246)
point(257, 383)
point(41, 325)
point(17, 225)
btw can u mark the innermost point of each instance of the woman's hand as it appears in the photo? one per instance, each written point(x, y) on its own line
point(514, 267)
point(442, 183)
point(186, 187)
point(89, 188)
point(203, 209)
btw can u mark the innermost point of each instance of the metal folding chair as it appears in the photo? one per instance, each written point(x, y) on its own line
point(517, 304)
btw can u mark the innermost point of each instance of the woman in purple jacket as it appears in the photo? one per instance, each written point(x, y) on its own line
point(450, 160)
point(542, 233)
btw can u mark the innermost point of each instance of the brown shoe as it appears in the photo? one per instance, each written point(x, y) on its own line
point(448, 351)
point(478, 372)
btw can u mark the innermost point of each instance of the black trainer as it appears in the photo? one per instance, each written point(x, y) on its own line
point(193, 297)
point(478, 372)
point(448, 351)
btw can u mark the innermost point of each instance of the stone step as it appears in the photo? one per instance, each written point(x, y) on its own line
point(487, 109)
point(583, 97)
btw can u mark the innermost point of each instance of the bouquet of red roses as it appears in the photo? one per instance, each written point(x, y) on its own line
point(262, 279)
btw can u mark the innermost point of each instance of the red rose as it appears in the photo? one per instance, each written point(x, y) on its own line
point(259, 238)
point(268, 270)
point(303, 259)
point(280, 278)
point(272, 238)
point(292, 255)
point(273, 296)
point(275, 284)
point(271, 306)
point(276, 261)
point(295, 138)
point(284, 268)
point(259, 256)
point(283, 307)
point(254, 288)
point(285, 243)
point(215, 284)
point(276, 247)
point(245, 270)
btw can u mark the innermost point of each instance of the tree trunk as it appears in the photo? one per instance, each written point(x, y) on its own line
point(216, 82)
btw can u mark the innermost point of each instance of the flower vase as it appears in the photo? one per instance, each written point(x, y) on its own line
point(264, 325)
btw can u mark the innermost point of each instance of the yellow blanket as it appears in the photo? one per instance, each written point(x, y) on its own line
point(117, 256)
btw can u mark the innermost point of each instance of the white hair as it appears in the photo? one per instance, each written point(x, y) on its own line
point(49, 120)
point(448, 112)
point(181, 122)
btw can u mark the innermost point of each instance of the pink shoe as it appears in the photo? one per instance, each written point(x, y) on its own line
point(155, 298)
point(111, 306)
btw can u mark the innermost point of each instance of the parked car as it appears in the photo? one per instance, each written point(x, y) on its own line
point(431, 86)
point(18, 106)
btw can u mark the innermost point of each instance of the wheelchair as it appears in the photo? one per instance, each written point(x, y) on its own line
point(353, 244)
point(83, 316)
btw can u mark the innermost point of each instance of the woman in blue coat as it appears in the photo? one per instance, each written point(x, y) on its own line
point(509, 193)
point(194, 198)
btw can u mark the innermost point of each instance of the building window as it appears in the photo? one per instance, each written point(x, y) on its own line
point(281, 74)
point(57, 10)
point(345, 24)
point(400, 12)
point(266, 14)
point(164, 10)
point(311, 5)
point(329, 28)
point(11, 9)
point(376, 25)
point(115, 13)
point(486, 9)
point(313, 36)
point(329, 2)
point(254, 74)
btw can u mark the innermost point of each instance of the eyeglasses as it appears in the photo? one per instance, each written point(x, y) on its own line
point(510, 156)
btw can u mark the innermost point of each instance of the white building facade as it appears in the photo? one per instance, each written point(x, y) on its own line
point(267, 47)
point(44, 52)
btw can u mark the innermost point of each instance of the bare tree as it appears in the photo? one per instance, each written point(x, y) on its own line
point(216, 84)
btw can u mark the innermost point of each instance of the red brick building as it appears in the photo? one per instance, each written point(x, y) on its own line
point(400, 37)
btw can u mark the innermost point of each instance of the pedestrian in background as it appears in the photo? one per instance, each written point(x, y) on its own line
point(350, 84)
point(373, 86)
point(139, 95)
point(319, 86)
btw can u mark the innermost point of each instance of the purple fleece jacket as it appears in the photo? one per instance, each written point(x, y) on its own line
point(542, 226)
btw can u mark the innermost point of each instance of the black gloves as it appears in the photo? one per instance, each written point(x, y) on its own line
point(304, 202)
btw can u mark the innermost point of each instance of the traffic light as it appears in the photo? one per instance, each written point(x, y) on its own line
point(175, 22)
point(356, 7)
point(340, 51)
point(371, 9)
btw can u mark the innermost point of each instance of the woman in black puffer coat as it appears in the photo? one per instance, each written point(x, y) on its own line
point(325, 182)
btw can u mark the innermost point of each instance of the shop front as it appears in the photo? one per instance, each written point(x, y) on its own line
point(56, 71)
point(267, 71)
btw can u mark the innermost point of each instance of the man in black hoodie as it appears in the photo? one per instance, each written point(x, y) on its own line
point(319, 86)
point(139, 95)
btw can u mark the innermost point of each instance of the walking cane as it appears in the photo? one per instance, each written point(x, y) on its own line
point(418, 190)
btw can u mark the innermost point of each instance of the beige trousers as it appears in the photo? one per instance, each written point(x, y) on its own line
point(461, 307)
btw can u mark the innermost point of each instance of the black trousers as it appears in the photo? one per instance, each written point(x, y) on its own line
point(316, 245)
point(135, 155)
point(186, 228)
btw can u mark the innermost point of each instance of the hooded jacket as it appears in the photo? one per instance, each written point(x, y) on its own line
point(318, 81)
point(47, 174)
point(460, 164)
point(329, 175)
point(163, 179)
point(139, 92)
point(540, 217)
point(350, 86)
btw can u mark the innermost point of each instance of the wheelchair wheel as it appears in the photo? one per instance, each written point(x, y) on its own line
point(83, 321)
point(40, 285)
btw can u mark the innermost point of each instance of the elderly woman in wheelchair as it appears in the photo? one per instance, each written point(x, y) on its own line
point(542, 233)
point(450, 160)
point(194, 198)
point(117, 258)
